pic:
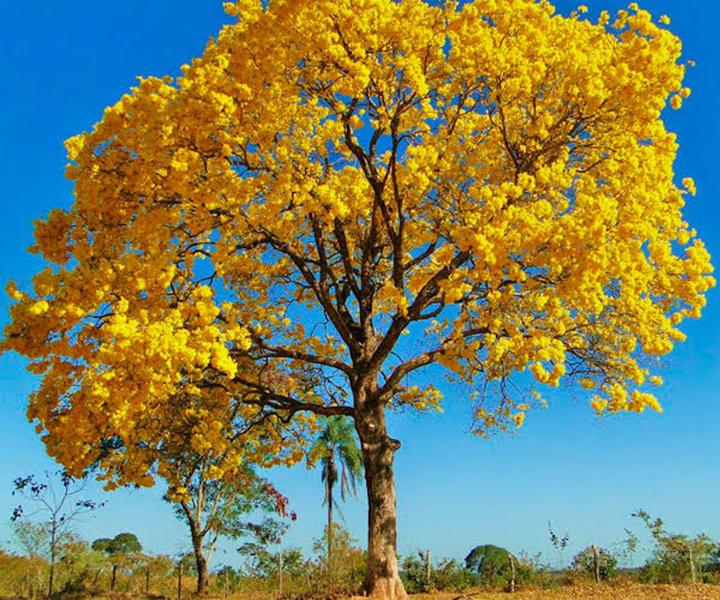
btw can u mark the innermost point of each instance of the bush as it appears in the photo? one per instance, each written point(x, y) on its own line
point(446, 575)
point(451, 575)
point(492, 564)
point(584, 562)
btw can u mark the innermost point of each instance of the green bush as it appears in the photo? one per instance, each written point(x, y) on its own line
point(584, 562)
point(451, 575)
point(445, 575)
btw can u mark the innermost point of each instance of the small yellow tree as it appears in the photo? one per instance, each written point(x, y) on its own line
point(493, 179)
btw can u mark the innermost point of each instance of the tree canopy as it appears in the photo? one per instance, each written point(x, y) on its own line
point(122, 543)
point(488, 560)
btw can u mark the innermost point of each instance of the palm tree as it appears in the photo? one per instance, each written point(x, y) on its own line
point(341, 461)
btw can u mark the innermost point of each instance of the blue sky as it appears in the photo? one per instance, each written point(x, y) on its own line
point(63, 62)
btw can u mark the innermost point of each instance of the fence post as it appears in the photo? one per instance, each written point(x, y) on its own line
point(428, 569)
point(512, 573)
point(596, 563)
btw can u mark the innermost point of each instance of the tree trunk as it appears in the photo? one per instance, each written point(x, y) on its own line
point(203, 578)
point(180, 576)
point(197, 537)
point(53, 552)
point(114, 578)
point(330, 525)
point(382, 580)
point(51, 577)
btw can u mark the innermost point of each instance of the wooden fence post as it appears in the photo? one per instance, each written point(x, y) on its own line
point(512, 573)
point(428, 569)
point(596, 563)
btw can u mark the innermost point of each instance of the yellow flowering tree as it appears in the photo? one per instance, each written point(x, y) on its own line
point(494, 180)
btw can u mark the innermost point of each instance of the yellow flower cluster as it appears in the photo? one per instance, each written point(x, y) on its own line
point(358, 168)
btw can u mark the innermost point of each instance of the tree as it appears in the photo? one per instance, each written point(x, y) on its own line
point(227, 579)
point(560, 543)
point(490, 562)
point(266, 533)
point(80, 567)
point(597, 562)
point(492, 179)
point(348, 559)
point(628, 547)
point(57, 504)
point(156, 566)
point(289, 561)
point(32, 539)
point(214, 508)
point(677, 557)
point(210, 477)
point(336, 447)
point(123, 549)
point(416, 573)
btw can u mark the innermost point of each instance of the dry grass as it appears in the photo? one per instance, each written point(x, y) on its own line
point(617, 591)
point(603, 592)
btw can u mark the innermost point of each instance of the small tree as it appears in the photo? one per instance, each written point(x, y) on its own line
point(227, 579)
point(32, 539)
point(154, 567)
point(221, 507)
point(560, 543)
point(348, 558)
point(123, 551)
point(597, 562)
point(676, 557)
point(449, 574)
point(492, 563)
point(414, 573)
point(267, 533)
point(56, 501)
point(81, 566)
point(628, 547)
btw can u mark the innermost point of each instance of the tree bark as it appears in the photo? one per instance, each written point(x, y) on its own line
point(53, 552)
point(197, 536)
point(180, 576)
point(330, 527)
point(203, 577)
point(382, 580)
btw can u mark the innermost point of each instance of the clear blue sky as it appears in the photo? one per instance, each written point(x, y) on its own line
point(62, 62)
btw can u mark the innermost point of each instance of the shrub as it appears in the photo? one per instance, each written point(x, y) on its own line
point(584, 562)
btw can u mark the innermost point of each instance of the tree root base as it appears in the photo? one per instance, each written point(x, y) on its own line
point(385, 589)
